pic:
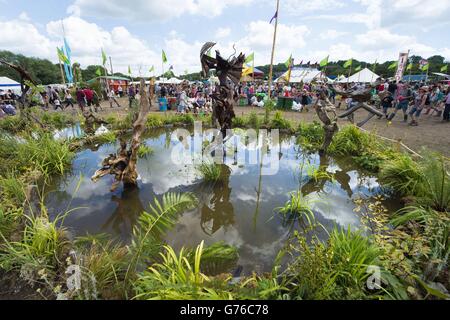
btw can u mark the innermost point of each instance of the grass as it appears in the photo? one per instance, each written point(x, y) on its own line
point(298, 207)
point(108, 137)
point(144, 151)
point(209, 171)
point(350, 141)
point(279, 122)
point(177, 278)
point(310, 135)
point(38, 152)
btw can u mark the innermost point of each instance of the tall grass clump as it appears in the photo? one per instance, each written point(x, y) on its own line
point(298, 207)
point(279, 122)
point(36, 152)
point(107, 137)
point(428, 180)
point(209, 171)
point(253, 121)
point(144, 151)
point(175, 278)
point(350, 141)
point(310, 135)
point(13, 124)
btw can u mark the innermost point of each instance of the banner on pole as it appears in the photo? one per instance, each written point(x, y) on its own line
point(401, 66)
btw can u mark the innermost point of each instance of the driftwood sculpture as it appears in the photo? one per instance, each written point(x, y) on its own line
point(90, 121)
point(229, 72)
point(123, 164)
point(361, 97)
point(326, 112)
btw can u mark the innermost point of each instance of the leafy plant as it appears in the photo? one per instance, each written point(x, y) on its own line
point(144, 151)
point(210, 171)
point(279, 122)
point(298, 207)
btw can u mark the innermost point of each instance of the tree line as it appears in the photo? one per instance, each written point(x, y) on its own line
point(45, 72)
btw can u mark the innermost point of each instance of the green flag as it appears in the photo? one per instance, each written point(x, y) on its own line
point(426, 67)
point(104, 57)
point(324, 62)
point(393, 65)
point(409, 67)
point(98, 72)
point(349, 63)
point(374, 66)
point(358, 68)
point(129, 70)
point(164, 57)
point(250, 58)
point(152, 69)
point(444, 68)
point(62, 57)
point(288, 62)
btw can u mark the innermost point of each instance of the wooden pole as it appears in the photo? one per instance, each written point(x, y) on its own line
point(110, 62)
point(273, 50)
point(62, 72)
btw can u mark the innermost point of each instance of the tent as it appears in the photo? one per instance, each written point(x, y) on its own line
point(446, 76)
point(9, 84)
point(365, 75)
point(169, 81)
point(305, 75)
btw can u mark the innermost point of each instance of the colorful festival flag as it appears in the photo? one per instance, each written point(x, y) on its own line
point(444, 68)
point(98, 72)
point(349, 63)
point(129, 70)
point(324, 62)
point(152, 69)
point(393, 65)
point(164, 57)
point(104, 57)
point(358, 68)
point(275, 16)
point(250, 58)
point(62, 57)
point(409, 67)
point(288, 61)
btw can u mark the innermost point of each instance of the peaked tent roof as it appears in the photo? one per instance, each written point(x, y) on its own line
point(9, 84)
point(365, 75)
point(306, 75)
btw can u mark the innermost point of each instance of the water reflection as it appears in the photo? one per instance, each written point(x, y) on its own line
point(217, 211)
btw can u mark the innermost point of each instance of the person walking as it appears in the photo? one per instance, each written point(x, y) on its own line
point(446, 116)
point(81, 99)
point(419, 104)
point(68, 100)
point(112, 99)
point(131, 95)
point(404, 96)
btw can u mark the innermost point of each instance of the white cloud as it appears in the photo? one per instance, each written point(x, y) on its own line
point(223, 32)
point(152, 10)
point(299, 7)
point(332, 34)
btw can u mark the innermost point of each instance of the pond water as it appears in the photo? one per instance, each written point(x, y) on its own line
point(238, 210)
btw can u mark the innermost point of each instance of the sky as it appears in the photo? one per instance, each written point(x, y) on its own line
point(133, 32)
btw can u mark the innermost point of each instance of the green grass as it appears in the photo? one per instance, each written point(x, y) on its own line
point(279, 122)
point(351, 141)
point(41, 153)
point(298, 207)
point(144, 151)
point(108, 137)
point(209, 171)
point(310, 135)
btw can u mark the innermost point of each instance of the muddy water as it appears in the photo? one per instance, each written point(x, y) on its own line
point(238, 210)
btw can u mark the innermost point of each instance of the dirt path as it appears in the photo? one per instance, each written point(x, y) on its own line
point(431, 132)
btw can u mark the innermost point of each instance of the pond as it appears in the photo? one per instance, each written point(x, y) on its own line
point(238, 210)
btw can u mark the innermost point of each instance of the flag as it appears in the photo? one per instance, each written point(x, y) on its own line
point(104, 57)
point(250, 58)
point(349, 63)
point(67, 49)
point(422, 64)
point(288, 61)
point(247, 70)
point(409, 67)
point(393, 65)
point(358, 68)
point(288, 75)
point(164, 57)
point(426, 67)
point(374, 66)
point(129, 70)
point(324, 62)
point(275, 16)
point(209, 53)
point(62, 57)
point(152, 69)
point(98, 72)
point(444, 68)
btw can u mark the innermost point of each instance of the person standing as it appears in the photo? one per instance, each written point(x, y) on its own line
point(131, 95)
point(68, 100)
point(419, 104)
point(112, 98)
point(120, 91)
point(81, 99)
point(404, 95)
point(446, 116)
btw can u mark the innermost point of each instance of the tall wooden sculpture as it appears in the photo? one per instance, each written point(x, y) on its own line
point(229, 72)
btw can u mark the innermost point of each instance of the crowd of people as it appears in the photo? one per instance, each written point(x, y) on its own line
point(413, 100)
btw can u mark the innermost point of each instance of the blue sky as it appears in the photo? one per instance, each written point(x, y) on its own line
point(133, 32)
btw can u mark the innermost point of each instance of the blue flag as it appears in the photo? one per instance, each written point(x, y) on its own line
point(275, 16)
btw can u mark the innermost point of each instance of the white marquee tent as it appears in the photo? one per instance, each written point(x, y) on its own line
point(305, 75)
point(9, 84)
point(365, 75)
